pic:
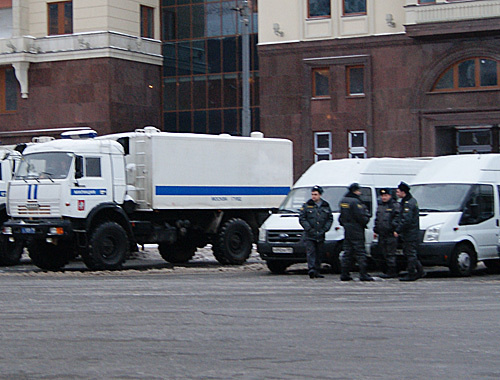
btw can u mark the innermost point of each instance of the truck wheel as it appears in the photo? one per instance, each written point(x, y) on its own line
point(48, 256)
point(177, 253)
point(108, 247)
point(234, 243)
point(10, 253)
point(463, 261)
point(277, 266)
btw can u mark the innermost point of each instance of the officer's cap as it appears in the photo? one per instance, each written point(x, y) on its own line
point(354, 187)
point(403, 186)
point(385, 190)
point(317, 188)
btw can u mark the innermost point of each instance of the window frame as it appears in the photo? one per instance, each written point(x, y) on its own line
point(317, 17)
point(322, 151)
point(3, 90)
point(344, 14)
point(356, 152)
point(315, 70)
point(61, 18)
point(348, 81)
point(477, 76)
point(147, 23)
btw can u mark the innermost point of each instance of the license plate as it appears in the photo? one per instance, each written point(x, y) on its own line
point(28, 230)
point(282, 249)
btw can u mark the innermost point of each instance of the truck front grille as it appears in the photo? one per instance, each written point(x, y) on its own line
point(31, 209)
point(284, 236)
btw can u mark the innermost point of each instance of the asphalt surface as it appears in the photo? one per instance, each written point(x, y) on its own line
point(205, 321)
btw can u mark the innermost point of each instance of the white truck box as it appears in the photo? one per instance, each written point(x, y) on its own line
point(181, 191)
point(459, 205)
point(280, 237)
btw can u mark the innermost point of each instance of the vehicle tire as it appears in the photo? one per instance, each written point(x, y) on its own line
point(108, 248)
point(277, 266)
point(177, 253)
point(492, 266)
point(234, 242)
point(463, 261)
point(10, 253)
point(334, 258)
point(48, 256)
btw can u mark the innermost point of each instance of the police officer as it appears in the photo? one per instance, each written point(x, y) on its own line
point(316, 219)
point(408, 228)
point(385, 224)
point(354, 217)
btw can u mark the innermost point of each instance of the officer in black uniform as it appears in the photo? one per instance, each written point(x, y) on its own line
point(354, 217)
point(316, 219)
point(385, 225)
point(408, 228)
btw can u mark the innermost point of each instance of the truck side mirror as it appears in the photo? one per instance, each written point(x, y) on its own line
point(78, 167)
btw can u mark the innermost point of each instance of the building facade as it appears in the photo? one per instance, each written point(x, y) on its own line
point(202, 73)
point(78, 64)
point(366, 78)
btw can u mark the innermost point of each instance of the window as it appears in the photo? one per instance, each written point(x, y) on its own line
point(8, 90)
point(321, 82)
point(355, 80)
point(322, 146)
point(427, 1)
point(475, 140)
point(469, 74)
point(479, 205)
point(319, 8)
point(147, 22)
point(357, 144)
point(354, 7)
point(92, 167)
point(60, 17)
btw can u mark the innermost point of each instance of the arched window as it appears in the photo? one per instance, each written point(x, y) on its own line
point(470, 74)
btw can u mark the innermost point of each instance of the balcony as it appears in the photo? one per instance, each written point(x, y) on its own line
point(458, 17)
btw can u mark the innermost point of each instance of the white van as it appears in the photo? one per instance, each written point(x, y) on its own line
point(280, 237)
point(458, 197)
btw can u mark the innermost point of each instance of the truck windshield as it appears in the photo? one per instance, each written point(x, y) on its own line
point(54, 165)
point(332, 194)
point(440, 197)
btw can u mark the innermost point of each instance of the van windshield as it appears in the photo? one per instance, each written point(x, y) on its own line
point(54, 165)
point(332, 194)
point(440, 197)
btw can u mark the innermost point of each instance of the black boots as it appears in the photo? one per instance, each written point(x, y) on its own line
point(391, 273)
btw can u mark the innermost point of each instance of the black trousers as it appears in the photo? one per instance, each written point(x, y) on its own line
point(314, 250)
point(410, 252)
point(388, 245)
point(354, 249)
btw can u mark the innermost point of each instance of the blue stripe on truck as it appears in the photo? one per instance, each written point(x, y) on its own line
point(221, 190)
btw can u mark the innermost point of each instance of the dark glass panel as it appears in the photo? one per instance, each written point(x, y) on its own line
point(199, 93)
point(183, 22)
point(229, 18)
point(184, 58)
point(354, 6)
point(213, 26)
point(214, 91)
point(200, 121)
point(230, 91)
point(198, 57)
point(446, 80)
point(318, 8)
point(53, 19)
point(214, 122)
point(321, 82)
point(198, 24)
point(231, 122)
point(170, 95)
point(356, 81)
point(255, 119)
point(229, 54)
point(11, 90)
point(167, 3)
point(68, 18)
point(254, 90)
point(466, 74)
point(185, 122)
point(488, 72)
point(184, 93)
point(254, 64)
point(169, 30)
point(213, 56)
point(170, 121)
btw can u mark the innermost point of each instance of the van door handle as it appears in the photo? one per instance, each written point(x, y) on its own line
point(498, 224)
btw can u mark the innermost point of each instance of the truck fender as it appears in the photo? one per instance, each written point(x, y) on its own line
point(109, 211)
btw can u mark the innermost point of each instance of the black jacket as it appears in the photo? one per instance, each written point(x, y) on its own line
point(315, 220)
point(408, 226)
point(353, 217)
point(386, 218)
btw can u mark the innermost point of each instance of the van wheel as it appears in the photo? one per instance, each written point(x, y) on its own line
point(10, 253)
point(48, 256)
point(108, 247)
point(177, 253)
point(234, 243)
point(463, 261)
point(277, 266)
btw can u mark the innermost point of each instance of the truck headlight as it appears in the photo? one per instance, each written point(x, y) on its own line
point(432, 233)
point(262, 234)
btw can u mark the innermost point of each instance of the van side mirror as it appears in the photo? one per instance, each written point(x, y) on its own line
point(78, 167)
